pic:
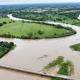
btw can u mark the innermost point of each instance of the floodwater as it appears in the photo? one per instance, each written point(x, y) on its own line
point(12, 75)
point(33, 55)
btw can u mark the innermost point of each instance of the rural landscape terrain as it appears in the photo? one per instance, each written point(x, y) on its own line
point(40, 41)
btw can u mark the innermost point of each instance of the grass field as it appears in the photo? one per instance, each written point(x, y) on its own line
point(28, 30)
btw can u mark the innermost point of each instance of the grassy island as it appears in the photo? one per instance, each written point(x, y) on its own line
point(27, 30)
point(5, 47)
point(65, 67)
point(75, 47)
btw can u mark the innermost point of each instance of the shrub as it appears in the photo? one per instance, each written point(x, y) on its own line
point(40, 32)
point(1, 24)
point(4, 22)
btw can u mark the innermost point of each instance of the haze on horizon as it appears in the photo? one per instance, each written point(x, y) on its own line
point(35, 1)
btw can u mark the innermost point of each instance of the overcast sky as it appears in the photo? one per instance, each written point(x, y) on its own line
point(35, 1)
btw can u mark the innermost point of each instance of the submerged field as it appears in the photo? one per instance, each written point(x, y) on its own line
point(65, 67)
point(26, 30)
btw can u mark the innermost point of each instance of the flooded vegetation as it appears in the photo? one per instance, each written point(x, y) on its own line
point(75, 47)
point(5, 47)
point(65, 67)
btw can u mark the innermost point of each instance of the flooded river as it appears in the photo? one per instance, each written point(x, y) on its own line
point(33, 55)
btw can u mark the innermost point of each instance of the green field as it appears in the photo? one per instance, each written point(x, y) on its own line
point(76, 47)
point(26, 30)
point(5, 47)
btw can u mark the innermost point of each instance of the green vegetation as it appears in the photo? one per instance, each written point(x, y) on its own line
point(4, 21)
point(62, 15)
point(66, 67)
point(54, 12)
point(57, 61)
point(5, 47)
point(29, 30)
point(76, 47)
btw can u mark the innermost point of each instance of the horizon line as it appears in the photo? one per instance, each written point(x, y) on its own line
point(36, 3)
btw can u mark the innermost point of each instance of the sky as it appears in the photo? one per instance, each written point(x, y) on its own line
point(35, 1)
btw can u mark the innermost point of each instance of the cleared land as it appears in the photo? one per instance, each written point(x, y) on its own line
point(26, 30)
point(5, 47)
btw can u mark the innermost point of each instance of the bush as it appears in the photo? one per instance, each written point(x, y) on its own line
point(40, 32)
point(4, 22)
point(1, 24)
